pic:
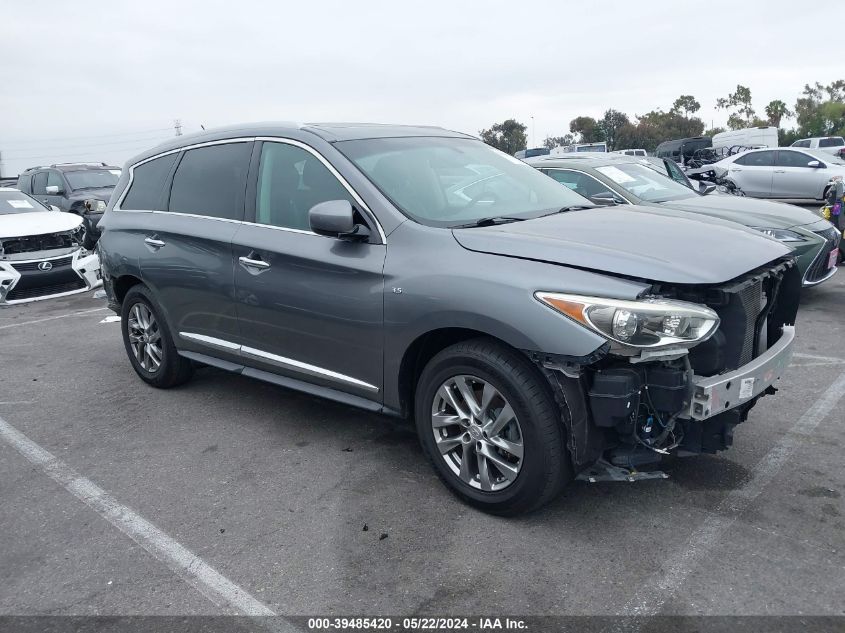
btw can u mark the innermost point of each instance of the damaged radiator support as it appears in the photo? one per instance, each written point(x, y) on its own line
point(621, 414)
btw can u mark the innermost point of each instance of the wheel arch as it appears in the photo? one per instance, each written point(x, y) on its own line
point(422, 349)
point(123, 284)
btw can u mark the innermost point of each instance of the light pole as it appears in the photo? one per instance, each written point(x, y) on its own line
point(533, 132)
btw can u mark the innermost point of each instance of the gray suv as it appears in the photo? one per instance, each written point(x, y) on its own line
point(420, 273)
point(80, 188)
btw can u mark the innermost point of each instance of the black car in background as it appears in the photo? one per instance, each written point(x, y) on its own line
point(681, 150)
point(80, 188)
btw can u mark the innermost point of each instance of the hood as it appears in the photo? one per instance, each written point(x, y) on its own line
point(37, 223)
point(101, 193)
point(747, 211)
point(649, 243)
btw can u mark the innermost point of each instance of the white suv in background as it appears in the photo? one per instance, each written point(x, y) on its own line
point(41, 251)
point(828, 144)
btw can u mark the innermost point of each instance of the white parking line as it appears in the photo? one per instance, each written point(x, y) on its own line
point(217, 588)
point(829, 359)
point(650, 597)
point(52, 318)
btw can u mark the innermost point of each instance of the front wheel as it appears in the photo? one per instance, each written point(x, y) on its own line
point(149, 343)
point(488, 422)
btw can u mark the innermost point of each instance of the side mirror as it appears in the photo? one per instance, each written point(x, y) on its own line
point(53, 190)
point(815, 163)
point(336, 218)
point(53, 207)
point(605, 198)
point(706, 187)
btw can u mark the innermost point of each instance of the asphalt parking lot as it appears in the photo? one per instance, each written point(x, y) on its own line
point(310, 507)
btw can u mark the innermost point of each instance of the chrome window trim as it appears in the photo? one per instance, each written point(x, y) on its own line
point(250, 139)
point(577, 171)
point(116, 207)
point(280, 361)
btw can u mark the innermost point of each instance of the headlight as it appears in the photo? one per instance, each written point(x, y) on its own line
point(647, 323)
point(780, 234)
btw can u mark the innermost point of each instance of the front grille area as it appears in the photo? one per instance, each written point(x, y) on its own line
point(752, 309)
point(33, 243)
point(42, 283)
point(45, 291)
point(818, 270)
point(55, 263)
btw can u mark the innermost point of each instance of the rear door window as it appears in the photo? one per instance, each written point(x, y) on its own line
point(210, 181)
point(145, 192)
point(757, 159)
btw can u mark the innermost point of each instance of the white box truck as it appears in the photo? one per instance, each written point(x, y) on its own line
point(764, 136)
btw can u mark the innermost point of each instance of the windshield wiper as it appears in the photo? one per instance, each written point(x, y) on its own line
point(571, 207)
point(491, 221)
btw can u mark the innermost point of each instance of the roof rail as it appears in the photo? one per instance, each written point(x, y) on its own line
point(80, 162)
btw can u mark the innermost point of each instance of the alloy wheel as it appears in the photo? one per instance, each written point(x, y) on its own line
point(477, 433)
point(145, 337)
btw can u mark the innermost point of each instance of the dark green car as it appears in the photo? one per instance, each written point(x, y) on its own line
point(634, 180)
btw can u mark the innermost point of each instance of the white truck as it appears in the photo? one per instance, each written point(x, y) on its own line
point(763, 136)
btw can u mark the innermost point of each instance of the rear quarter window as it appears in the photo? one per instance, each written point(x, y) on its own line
point(25, 183)
point(145, 192)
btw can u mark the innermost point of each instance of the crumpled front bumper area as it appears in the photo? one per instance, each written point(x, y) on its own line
point(716, 394)
point(25, 280)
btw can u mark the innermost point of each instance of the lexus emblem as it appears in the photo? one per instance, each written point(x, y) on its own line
point(45, 266)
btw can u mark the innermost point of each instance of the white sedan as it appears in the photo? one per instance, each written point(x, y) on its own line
point(783, 172)
point(41, 252)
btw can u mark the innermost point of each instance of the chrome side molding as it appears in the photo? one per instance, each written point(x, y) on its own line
point(279, 361)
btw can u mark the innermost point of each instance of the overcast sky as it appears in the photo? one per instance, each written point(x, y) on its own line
point(88, 80)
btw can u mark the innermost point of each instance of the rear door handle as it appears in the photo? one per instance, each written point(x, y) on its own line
point(780, 171)
point(154, 242)
point(253, 265)
point(735, 170)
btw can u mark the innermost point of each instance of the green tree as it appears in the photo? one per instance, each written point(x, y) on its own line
point(558, 141)
point(776, 111)
point(609, 126)
point(587, 129)
point(508, 136)
point(740, 101)
point(686, 104)
point(819, 110)
point(713, 131)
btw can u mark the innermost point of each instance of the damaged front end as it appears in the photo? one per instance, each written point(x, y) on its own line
point(627, 405)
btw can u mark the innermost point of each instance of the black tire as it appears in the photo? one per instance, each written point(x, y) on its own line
point(545, 466)
point(173, 369)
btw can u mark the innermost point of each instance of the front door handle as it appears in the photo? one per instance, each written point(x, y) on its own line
point(734, 170)
point(253, 265)
point(780, 171)
point(154, 242)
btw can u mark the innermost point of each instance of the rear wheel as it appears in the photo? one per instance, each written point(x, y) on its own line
point(489, 424)
point(149, 343)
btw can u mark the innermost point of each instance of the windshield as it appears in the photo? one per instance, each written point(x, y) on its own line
point(456, 181)
point(17, 202)
point(92, 178)
point(645, 183)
